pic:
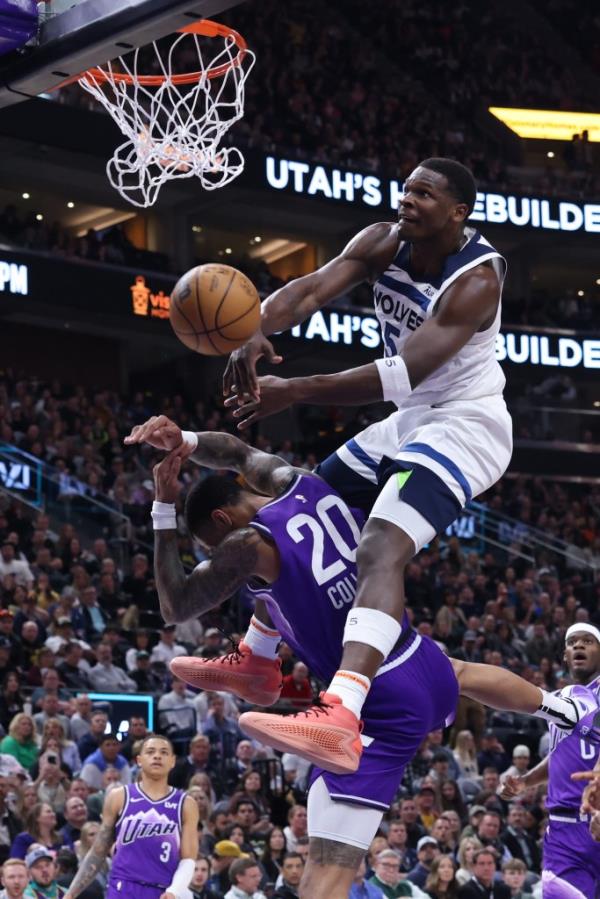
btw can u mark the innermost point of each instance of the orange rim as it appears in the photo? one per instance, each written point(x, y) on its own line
point(205, 27)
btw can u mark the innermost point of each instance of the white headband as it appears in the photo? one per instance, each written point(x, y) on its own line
point(587, 628)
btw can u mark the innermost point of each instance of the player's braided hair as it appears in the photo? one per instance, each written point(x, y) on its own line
point(461, 182)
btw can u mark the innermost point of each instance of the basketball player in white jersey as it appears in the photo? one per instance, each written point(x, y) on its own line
point(155, 831)
point(437, 286)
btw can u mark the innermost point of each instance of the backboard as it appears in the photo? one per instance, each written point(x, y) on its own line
point(90, 32)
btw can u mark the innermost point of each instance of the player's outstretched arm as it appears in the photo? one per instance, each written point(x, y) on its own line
point(95, 859)
point(179, 886)
point(264, 472)
point(236, 559)
point(368, 253)
point(466, 306)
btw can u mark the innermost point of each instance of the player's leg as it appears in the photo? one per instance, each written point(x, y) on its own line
point(340, 834)
point(569, 861)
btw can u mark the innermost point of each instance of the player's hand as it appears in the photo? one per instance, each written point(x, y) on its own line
point(240, 373)
point(159, 431)
point(595, 827)
point(166, 475)
point(275, 395)
point(590, 799)
point(168, 895)
point(510, 787)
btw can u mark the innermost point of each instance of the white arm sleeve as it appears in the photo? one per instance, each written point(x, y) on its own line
point(180, 885)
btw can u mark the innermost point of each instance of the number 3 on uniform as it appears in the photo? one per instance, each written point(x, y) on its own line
point(165, 852)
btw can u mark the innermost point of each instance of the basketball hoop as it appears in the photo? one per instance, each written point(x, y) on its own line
point(174, 122)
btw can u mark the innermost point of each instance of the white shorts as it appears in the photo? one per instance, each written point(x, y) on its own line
point(453, 451)
point(355, 825)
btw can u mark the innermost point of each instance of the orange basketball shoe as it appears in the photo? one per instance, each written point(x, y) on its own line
point(251, 677)
point(327, 734)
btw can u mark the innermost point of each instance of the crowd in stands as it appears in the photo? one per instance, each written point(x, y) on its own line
point(422, 88)
point(78, 615)
point(111, 246)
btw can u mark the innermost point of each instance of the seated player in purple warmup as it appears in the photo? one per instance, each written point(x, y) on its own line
point(155, 831)
point(296, 540)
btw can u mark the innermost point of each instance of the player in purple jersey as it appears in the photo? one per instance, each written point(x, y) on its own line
point(571, 863)
point(296, 541)
point(155, 831)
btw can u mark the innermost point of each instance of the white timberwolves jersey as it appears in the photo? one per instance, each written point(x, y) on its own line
point(403, 304)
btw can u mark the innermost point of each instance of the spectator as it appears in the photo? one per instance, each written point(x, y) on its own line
point(66, 869)
point(141, 644)
point(50, 778)
point(50, 704)
point(80, 720)
point(296, 827)
point(146, 680)
point(466, 755)
point(90, 619)
point(245, 876)
point(397, 837)
point(71, 674)
point(76, 815)
point(176, 709)
point(89, 742)
point(441, 881)
point(166, 649)
point(518, 842)
point(197, 761)
point(107, 755)
point(40, 827)
point(466, 852)
point(521, 759)
point(387, 876)
point(137, 731)
point(11, 699)
point(488, 834)
point(441, 833)
point(492, 753)
point(14, 879)
point(427, 851)
point(223, 855)
point(223, 732)
point(514, 872)
point(199, 880)
point(361, 888)
point(42, 875)
point(20, 741)
point(426, 805)
point(291, 875)
point(273, 854)
point(68, 752)
point(10, 824)
point(409, 814)
point(106, 677)
point(482, 881)
point(9, 564)
point(296, 687)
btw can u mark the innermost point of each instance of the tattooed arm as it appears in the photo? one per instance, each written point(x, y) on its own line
point(183, 597)
point(264, 472)
point(95, 859)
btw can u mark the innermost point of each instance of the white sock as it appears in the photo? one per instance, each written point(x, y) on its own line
point(352, 688)
point(558, 710)
point(262, 640)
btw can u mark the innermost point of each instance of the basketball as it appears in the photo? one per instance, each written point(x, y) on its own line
point(214, 309)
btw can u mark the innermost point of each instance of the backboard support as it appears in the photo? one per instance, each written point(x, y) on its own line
point(90, 33)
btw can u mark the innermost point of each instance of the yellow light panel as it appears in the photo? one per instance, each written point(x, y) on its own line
point(548, 124)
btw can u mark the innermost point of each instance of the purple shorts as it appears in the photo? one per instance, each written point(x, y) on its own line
point(131, 889)
point(571, 867)
point(414, 692)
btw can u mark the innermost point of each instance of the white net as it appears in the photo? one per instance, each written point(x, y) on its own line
point(173, 130)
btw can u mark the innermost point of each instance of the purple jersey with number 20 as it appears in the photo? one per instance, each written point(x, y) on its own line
point(415, 689)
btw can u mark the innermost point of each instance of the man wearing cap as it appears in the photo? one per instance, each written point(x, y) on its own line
point(571, 857)
point(224, 853)
point(521, 759)
point(147, 680)
point(427, 850)
point(42, 875)
point(14, 879)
